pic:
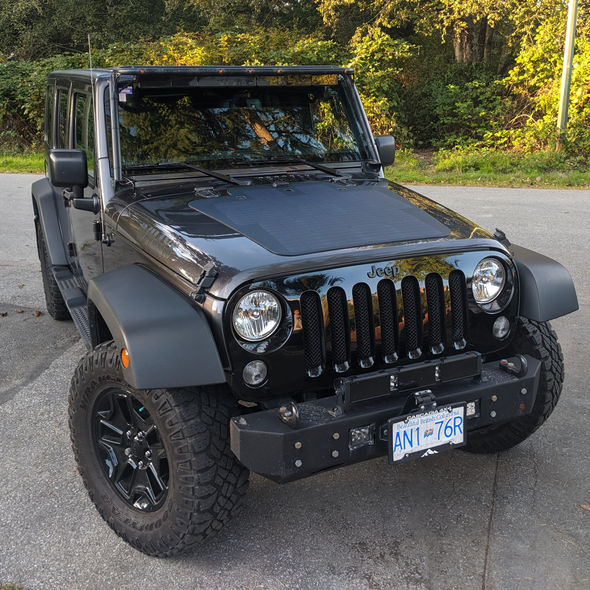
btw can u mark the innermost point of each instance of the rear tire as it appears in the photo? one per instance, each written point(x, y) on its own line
point(540, 341)
point(56, 306)
point(156, 463)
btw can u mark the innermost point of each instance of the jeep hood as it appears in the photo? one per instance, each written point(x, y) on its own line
point(256, 231)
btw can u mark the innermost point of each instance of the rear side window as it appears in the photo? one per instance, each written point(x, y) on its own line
point(63, 119)
point(49, 109)
point(84, 125)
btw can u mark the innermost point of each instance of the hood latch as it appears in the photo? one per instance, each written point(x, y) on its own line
point(205, 281)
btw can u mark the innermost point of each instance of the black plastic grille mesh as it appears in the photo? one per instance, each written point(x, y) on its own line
point(388, 316)
point(338, 314)
point(434, 299)
point(458, 305)
point(363, 313)
point(311, 318)
point(412, 312)
point(386, 340)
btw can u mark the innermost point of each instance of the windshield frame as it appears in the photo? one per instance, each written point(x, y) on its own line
point(354, 113)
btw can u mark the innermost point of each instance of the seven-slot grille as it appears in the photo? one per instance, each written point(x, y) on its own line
point(399, 318)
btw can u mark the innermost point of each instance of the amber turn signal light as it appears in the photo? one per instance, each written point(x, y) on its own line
point(125, 358)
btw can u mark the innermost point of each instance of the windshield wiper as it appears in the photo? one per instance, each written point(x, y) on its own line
point(178, 165)
point(285, 159)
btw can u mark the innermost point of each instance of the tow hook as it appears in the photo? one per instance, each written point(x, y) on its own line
point(289, 415)
point(512, 369)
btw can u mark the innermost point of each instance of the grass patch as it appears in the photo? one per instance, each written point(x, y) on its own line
point(23, 163)
point(10, 587)
point(491, 168)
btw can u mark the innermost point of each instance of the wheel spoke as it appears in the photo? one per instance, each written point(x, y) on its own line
point(111, 460)
point(125, 477)
point(156, 476)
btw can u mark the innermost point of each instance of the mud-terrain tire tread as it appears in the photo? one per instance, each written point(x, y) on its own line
point(540, 341)
point(54, 301)
point(210, 483)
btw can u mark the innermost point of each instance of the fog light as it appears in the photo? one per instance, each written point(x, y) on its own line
point(471, 410)
point(360, 437)
point(501, 327)
point(254, 373)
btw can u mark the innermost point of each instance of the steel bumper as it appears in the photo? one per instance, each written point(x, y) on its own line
point(269, 447)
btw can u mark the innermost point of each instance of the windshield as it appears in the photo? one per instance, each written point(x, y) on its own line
point(228, 126)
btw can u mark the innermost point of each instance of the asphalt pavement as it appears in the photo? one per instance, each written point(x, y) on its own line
point(519, 520)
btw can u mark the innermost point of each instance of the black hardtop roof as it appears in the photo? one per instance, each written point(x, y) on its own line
point(158, 71)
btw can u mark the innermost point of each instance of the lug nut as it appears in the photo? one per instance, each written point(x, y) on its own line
point(523, 391)
point(128, 451)
point(129, 434)
point(493, 414)
point(298, 445)
point(335, 436)
point(140, 464)
point(494, 398)
point(298, 463)
point(148, 454)
point(335, 454)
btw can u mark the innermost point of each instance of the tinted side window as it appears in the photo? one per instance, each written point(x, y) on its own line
point(85, 131)
point(49, 104)
point(63, 119)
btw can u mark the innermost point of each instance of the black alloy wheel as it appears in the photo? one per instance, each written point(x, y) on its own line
point(131, 450)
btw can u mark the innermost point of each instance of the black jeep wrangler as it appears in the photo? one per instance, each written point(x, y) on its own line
point(254, 295)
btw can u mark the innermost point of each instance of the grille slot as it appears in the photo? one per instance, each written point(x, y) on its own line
point(412, 316)
point(365, 333)
point(398, 319)
point(388, 318)
point(435, 301)
point(339, 328)
point(458, 308)
point(312, 324)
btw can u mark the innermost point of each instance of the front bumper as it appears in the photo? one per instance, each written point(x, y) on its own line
point(267, 446)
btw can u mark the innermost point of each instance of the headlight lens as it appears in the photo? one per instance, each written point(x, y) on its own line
point(257, 315)
point(488, 280)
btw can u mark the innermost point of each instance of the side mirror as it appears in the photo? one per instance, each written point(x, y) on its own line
point(68, 168)
point(386, 148)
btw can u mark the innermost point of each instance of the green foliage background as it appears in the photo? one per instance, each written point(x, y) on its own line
point(462, 75)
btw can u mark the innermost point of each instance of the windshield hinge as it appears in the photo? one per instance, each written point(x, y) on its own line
point(204, 282)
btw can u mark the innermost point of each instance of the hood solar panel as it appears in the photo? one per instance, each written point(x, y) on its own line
point(309, 217)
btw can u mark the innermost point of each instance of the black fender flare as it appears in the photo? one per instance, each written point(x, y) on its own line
point(546, 288)
point(45, 209)
point(168, 339)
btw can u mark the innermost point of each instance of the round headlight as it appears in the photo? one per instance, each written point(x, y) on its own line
point(488, 280)
point(257, 315)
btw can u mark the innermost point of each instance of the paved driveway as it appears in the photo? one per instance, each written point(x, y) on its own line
point(450, 521)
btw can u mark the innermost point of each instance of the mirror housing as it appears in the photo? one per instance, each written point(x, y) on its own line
point(386, 148)
point(68, 168)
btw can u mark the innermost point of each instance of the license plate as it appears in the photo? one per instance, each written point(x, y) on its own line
point(428, 433)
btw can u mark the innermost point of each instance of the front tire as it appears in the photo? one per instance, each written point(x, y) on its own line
point(540, 341)
point(156, 463)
